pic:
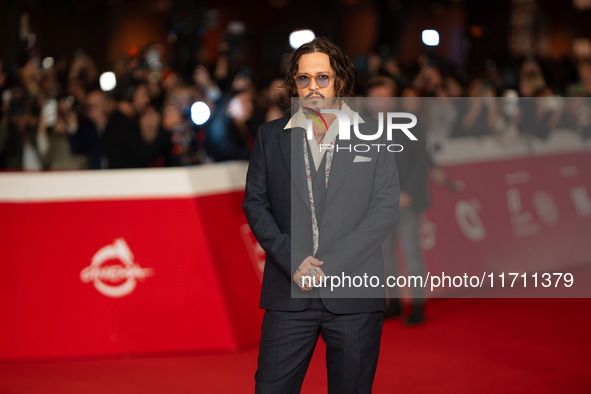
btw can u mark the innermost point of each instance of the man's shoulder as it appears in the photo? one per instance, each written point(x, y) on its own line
point(275, 125)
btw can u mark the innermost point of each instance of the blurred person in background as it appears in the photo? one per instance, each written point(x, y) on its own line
point(210, 93)
point(122, 142)
point(23, 142)
point(83, 69)
point(531, 85)
point(429, 79)
point(479, 115)
point(81, 78)
point(539, 111)
point(493, 74)
point(57, 120)
point(230, 134)
point(443, 113)
point(77, 89)
point(153, 134)
point(382, 64)
point(584, 70)
point(2, 74)
point(380, 93)
point(203, 80)
point(20, 131)
point(54, 139)
point(4, 100)
point(186, 137)
point(413, 168)
point(30, 76)
point(273, 104)
point(85, 134)
point(381, 86)
point(576, 113)
point(450, 87)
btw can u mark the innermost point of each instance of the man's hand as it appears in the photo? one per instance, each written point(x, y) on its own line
point(405, 201)
point(310, 270)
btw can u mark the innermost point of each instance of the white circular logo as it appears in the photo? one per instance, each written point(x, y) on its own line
point(114, 280)
point(469, 220)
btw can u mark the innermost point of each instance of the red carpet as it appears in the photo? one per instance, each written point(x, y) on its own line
point(467, 346)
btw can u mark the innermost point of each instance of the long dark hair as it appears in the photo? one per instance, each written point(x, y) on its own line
point(339, 61)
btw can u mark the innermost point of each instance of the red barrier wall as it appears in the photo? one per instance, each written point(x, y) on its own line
point(514, 215)
point(140, 274)
point(161, 260)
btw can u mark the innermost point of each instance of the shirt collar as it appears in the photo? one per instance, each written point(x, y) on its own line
point(299, 119)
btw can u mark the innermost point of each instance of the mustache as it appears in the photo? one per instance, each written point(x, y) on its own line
point(315, 94)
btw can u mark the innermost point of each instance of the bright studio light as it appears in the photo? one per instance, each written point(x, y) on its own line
point(300, 37)
point(200, 113)
point(108, 81)
point(430, 38)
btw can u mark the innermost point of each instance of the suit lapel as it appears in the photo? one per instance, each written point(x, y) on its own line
point(284, 137)
point(291, 143)
point(341, 164)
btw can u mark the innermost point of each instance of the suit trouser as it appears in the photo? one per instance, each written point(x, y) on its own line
point(288, 340)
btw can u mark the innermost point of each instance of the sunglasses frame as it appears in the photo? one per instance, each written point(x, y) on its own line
point(310, 76)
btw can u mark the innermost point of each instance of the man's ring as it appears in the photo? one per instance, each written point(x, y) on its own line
point(313, 271)
point(299, 282)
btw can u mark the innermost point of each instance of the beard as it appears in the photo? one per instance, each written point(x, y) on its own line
point(317, 103)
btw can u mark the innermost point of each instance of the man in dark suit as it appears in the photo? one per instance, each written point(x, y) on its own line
point(320, 213)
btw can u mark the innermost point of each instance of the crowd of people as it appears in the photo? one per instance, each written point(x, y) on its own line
point(55, 115)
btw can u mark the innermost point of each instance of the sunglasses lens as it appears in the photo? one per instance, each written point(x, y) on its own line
point(322, 80)
point(302, 81)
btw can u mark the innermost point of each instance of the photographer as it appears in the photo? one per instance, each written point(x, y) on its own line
point(86, 137)
point(19, 132)
point(123, 143)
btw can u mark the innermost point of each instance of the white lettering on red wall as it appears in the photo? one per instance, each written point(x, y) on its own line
point(113, 271)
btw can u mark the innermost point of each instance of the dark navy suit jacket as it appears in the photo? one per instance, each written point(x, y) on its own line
point(360, 209)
